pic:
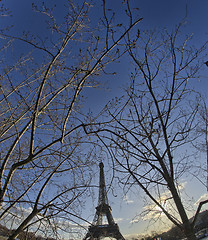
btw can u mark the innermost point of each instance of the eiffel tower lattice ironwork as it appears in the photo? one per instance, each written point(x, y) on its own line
point(98, 229)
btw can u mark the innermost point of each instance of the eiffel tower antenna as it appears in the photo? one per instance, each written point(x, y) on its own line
point(98, 229)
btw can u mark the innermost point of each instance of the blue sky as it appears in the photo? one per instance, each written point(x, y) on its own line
point(160, 15)
point(156, 14)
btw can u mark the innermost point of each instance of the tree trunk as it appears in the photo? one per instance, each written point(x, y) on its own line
point(188, 229)
point(23, 225)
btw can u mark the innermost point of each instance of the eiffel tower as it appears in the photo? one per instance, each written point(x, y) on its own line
point(98, 230)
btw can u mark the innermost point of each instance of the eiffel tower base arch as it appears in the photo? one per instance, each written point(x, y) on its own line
point(98, 232)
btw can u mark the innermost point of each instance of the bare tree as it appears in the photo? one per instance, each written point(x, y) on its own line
point(153, 125)
point(44, 158)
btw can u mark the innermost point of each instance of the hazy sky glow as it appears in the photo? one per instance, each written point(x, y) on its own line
point(126, 209)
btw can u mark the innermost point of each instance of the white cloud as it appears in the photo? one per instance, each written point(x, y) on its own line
point(118, 219)
point(127, 200)
point(202, 198)
point(135, 220)
point(181, 186)
point(153, 211)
